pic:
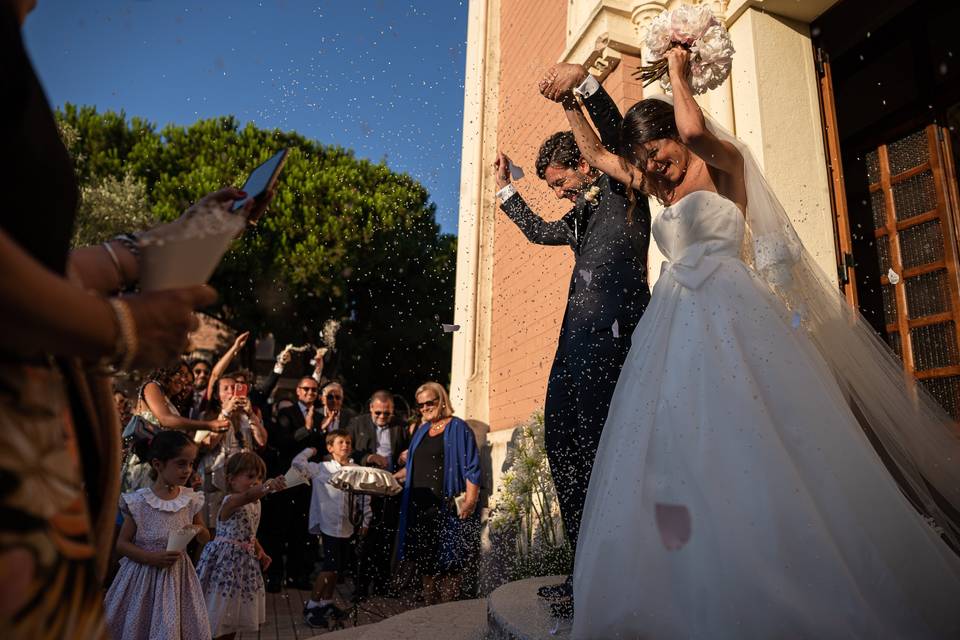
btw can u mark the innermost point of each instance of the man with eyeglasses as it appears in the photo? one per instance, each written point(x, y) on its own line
point(319, 420)
point(379, 437)
point(200, 367)
point(293, 431)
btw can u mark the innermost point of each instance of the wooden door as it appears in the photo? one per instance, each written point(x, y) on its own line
point(912, 191)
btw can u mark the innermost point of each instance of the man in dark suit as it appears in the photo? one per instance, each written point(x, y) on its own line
point(379, 437)
point(608, 230)
point(290, 434)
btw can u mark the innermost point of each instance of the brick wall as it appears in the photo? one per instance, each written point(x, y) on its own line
point(529, 281)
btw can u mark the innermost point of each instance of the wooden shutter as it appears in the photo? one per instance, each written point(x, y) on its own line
point(912, 199)
point(838, 193)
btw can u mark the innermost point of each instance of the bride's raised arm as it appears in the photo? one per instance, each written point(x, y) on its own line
point(593, 150)
point(691, 125)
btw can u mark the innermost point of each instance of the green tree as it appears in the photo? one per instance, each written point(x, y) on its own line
point(345, 238)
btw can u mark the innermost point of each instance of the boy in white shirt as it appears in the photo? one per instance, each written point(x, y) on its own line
point(330, 519)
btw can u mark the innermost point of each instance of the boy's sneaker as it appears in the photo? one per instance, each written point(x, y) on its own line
point(316, 617)
point(323, 617)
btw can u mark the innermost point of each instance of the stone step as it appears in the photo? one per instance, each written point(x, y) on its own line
point(462, 620)
point(514, 612)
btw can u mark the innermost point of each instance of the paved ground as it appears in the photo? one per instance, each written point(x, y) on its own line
point(285, 613)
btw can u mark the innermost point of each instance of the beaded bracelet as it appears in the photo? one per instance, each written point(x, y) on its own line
point(131, 243)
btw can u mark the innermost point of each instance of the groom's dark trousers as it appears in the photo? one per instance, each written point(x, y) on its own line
point(608, 293)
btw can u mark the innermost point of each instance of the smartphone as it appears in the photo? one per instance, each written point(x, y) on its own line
point(262, 178)
point(240, 390)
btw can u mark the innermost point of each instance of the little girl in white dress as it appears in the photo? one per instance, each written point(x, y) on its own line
point(230, 566)
point(156, 593)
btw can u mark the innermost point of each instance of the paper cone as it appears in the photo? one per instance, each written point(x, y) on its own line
point(295, 477)
point(178, 540)
point(185, 253)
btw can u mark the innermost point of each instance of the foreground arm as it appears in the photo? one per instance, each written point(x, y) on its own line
point(220, 368)
point(157, 404)
point(594, 152)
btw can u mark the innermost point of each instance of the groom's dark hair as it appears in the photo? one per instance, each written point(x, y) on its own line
point(559, 150)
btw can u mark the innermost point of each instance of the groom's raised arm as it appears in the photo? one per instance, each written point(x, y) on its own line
point(603, 112)
point(564, 78)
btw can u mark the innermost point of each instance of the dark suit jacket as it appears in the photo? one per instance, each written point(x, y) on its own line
point(609, 281)
point(364, 433)
point(292, 437)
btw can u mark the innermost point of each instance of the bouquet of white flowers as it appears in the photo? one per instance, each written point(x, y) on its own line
point(698, 30)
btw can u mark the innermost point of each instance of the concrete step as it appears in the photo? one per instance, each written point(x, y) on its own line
point(514, 612)
point(463, 620)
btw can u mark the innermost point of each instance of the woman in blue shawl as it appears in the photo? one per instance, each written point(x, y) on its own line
point(439, 530)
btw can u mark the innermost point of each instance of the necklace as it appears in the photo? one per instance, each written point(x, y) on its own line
point(439, 426)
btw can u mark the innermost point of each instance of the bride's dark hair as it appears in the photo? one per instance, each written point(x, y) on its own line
point(647, 120)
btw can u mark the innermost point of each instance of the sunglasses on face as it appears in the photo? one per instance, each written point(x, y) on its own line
point(308, 389)
point(428, 403)
point(382, 413)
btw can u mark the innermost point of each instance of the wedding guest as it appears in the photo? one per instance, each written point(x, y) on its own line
point(259, 394)
point(155, 405)
point(442, 469)
point(330, 518)
point(57, 416)
point(335, 415)
point(379, 438)
point(156, 593)
point(230, 567)
point(123, 405)
point(244, 432)
point(293, 549)
point(200, 367)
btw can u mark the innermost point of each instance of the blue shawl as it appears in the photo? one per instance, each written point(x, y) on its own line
point(461, 462)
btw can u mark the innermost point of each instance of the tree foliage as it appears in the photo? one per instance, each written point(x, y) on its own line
point(345, 238)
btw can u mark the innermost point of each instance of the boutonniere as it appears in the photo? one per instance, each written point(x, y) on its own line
point(591, 194)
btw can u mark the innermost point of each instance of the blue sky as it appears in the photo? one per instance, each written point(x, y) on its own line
point(381, 77)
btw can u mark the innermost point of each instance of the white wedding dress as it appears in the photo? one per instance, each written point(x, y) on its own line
point(734, 494)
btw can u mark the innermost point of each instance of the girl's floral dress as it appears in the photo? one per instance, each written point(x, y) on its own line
point(147, 602)
point(230, 574)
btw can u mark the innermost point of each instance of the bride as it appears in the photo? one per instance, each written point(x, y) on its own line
point(765, 470)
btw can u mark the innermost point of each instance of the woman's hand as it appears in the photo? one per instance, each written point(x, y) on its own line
point(467, 509)
point(678, 61)
point(254, 209)
point(240, 341)
point(163, 319)
point(163, 559)
point(219, 425)
point(265, 560)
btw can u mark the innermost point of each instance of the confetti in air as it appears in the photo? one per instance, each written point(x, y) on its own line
point(450, 328)
point(587, 275)
point(615, 329)
point(893, 276)
point(515, 172)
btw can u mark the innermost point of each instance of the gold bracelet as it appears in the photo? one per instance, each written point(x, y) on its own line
point(127, 345)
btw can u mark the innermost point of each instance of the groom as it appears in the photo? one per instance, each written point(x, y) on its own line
point(608, 293)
